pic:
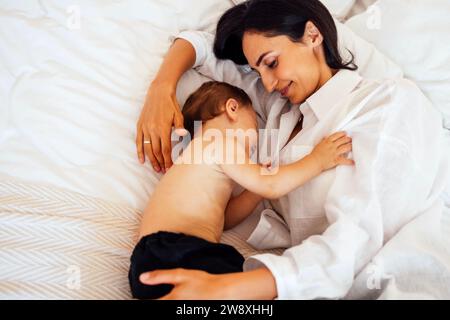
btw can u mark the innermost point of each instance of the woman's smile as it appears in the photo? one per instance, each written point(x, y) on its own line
point(285, 91)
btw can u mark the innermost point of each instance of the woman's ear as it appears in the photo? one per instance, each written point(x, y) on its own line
point(312, 36)
point(231, 109)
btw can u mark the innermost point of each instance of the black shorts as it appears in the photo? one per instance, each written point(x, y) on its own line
point(167, 250)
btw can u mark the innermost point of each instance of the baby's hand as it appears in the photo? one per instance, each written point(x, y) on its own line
point(331, 151)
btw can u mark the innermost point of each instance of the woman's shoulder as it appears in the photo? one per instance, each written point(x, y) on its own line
point(403, 84)
point(395, 87)
point(403, 96)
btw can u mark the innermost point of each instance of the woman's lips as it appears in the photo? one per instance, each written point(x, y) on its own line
point(285, 91)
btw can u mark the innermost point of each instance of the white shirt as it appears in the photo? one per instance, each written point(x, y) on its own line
point(337, 222)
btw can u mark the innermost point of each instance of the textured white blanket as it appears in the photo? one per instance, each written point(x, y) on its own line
point(58, 244)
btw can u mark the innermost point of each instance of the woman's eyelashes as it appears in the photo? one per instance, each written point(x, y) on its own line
point(272, 64)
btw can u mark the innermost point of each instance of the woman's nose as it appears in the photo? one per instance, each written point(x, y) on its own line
point(269, 82)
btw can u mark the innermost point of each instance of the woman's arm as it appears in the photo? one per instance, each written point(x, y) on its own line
point(240, 207)
point(257, 284)
point(161, 109)
point(179, 59)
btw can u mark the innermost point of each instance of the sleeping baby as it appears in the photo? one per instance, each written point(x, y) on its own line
point(185, 217)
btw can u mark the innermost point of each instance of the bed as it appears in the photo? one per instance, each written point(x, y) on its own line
point(73, 79)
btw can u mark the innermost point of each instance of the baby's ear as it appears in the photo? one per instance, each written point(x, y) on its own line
point(231, 109)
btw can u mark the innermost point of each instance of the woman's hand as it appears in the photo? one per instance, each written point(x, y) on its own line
point(200, 285)
point(154, 128)
point(161, 109)
point(190, 284)
point(332, 151)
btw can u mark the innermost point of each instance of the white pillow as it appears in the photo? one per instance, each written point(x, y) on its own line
point(372, 64)
point(416, 35)
point(339, 8)
point(359, 7)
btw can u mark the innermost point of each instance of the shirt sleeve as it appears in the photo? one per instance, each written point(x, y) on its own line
point(200, 41)
point(393, 181)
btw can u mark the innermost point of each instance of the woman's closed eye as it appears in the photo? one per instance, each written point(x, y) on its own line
point(272, 64)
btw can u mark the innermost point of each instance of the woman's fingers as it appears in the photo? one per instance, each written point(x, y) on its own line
point(160, 112)
point(148, 142)
point(156, 150)
point(178, 123)
point(166, 148)
point(151, 156)
point(159, 150)
point(181, 132)
point(166, 139)
point(171, 276)
point(139, 143)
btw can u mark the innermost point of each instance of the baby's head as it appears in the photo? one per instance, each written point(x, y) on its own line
point(221, 105)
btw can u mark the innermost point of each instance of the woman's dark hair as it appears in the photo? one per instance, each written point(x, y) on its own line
point(207, 102)
point(274, 18)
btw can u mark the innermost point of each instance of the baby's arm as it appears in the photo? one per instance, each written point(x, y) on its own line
point(257, 179)
point(240, 207)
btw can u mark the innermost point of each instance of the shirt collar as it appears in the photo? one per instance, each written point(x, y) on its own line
point(339, 86)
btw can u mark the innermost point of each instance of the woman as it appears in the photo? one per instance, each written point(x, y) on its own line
point(302, 87)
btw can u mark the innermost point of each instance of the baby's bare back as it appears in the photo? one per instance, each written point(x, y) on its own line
point(190, 199)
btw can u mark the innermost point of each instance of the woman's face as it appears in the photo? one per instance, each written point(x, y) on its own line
point(295, 69)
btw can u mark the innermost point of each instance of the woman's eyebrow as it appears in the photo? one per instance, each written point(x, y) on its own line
point(262, 57)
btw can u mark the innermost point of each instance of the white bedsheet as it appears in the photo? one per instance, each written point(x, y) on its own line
point(59, 244)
